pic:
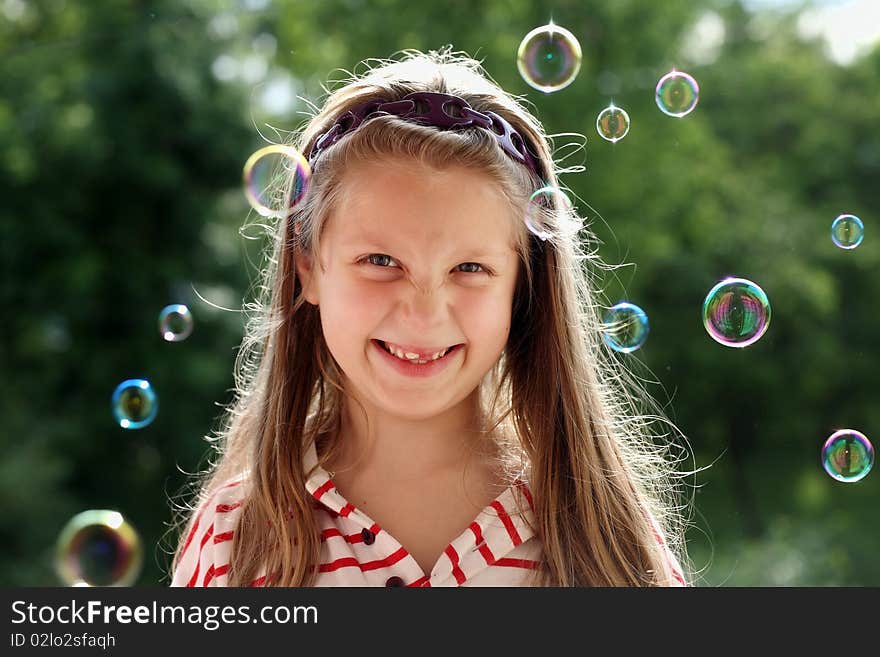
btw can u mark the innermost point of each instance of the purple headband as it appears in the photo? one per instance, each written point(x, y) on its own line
point(434, 109)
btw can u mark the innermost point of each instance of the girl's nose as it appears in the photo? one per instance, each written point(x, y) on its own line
point(426, 301)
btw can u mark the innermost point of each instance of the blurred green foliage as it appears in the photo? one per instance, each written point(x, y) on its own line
point(123, 130)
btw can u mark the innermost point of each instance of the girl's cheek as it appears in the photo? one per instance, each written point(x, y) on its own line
point(354, 288)
point(362, 302)
point(369, 292)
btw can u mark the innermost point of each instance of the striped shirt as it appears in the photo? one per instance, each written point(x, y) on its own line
point(499, 548)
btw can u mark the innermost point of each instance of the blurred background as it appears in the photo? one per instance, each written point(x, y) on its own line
point(124, 127)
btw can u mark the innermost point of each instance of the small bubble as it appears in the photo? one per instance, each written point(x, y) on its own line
point(549, 58)
point(275, 180)
point(847, 231)
point(625, 327)
point(134, 404)
point(677, 94)
point(847, 455)
point(98, 548)
point(545, 204)
point(612, 123)
point(175, 322)
point(736, 312)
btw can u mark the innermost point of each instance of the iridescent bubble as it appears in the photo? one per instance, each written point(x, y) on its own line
point(98, 548)
point(677, 94)
point(625, 327)
point(275, 179)
point(549, 58)
point(612, 123)
point(847, 455)
point(134, 403)
point(175, 322)
point(847, 231)
point(736, 312)
point(543, 205)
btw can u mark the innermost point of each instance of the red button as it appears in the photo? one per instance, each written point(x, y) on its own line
point(394, 581)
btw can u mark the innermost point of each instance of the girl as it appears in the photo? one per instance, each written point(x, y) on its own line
point(425, 398)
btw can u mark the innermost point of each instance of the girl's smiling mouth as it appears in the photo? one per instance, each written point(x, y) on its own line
point(417, 367)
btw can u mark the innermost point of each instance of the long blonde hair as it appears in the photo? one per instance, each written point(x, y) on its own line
point(602, 483)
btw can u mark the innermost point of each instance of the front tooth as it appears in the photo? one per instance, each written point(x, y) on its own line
point(397, 352)
point(411, 355)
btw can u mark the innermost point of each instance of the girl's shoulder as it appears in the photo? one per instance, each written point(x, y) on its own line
point(204, 560)
point(675, 573)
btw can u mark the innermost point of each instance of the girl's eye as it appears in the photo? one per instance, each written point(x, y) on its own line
point(377, 258)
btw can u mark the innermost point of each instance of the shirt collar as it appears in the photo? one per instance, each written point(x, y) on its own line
point(503, 525)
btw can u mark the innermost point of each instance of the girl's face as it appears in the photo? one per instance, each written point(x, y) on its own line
point(419, 258)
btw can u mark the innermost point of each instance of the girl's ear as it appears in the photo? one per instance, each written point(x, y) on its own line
point(306, 271)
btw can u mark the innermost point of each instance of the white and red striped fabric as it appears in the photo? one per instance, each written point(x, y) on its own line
point(498, 548)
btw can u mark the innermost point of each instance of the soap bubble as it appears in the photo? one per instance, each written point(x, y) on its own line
point(612, 123)
point(847, 455)
point(847, 231)
point(175, 322)
point(736, 312)
point(549, 58)
point(134, 403)
point(275, 180)
point(625, 327)
point(98, 548)
point(551, 200)
point(677, 94)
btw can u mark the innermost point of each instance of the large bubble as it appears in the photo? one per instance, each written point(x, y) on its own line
point(736, 312)
point(548, 202)
point(847, 231)
point(625, 327)
point(847, 455)
point(275, 180)
point(549, 58)
point(98, 548)
point(134, 403)
point(677, 94)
